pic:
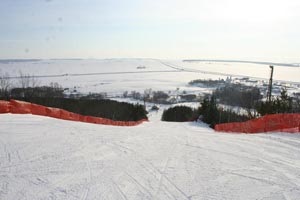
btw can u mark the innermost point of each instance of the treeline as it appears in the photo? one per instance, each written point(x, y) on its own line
point(281, 104)
point(150, 96)
point(27, 86)
point(212, 115)
point(208, 112)
point(179, 114)
point(238, 95)
point(52, 91)
point(119, 111)
point(248, 98)
point(53, 96)
point(208, 83)
point(161, 97)
point(92, 104)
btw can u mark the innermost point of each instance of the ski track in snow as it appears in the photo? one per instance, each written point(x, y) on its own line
point(44, 158)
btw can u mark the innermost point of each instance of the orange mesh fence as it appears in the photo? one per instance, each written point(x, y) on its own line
point(256, 125)
point(38, 109)
point(268, 123)
point(82, 118)
point(21, 107)
point(66, 115)
point(53, 112)
point(291, 130)
point(4, 107)
point(75, 117)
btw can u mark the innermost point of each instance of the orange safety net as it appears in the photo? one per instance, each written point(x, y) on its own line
point(21, 107)
point(4, 107)
point(38, 109)
point(53, 112)
point(268, 123)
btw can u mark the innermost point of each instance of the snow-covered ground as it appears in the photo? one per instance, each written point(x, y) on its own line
point(114, 76)
point(45, 158)
point(260, 71)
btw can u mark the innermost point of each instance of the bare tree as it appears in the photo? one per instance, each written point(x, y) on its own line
point(27, 83)
point(5, 85)
point(147, 96)
point(296, 103)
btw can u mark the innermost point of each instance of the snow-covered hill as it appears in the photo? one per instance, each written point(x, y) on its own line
point(45, 158)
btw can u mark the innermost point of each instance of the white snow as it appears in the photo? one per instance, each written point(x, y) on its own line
point(114, 76)
point(45, 158)
point(244, 69)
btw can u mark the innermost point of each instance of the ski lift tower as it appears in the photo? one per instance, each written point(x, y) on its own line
point(269, 94)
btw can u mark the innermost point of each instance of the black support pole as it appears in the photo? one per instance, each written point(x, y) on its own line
point(269, 95)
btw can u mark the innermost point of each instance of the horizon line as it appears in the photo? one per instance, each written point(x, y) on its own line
point(290, 64)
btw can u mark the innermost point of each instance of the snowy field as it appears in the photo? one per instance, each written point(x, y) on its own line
point(114, 76)
point(44, 158)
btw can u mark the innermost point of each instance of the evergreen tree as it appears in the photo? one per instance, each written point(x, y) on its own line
point(282, 104)
point(210, 114)
point(209, 111)
point(179, 114)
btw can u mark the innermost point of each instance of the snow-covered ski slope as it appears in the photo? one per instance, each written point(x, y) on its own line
point(114, 76)
point(46, 158)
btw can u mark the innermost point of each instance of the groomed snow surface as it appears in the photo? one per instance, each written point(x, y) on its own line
point(45, 158)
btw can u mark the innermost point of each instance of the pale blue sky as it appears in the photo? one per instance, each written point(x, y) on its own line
point(175, 29)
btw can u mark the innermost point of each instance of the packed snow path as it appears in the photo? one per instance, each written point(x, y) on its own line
point(45, 158)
